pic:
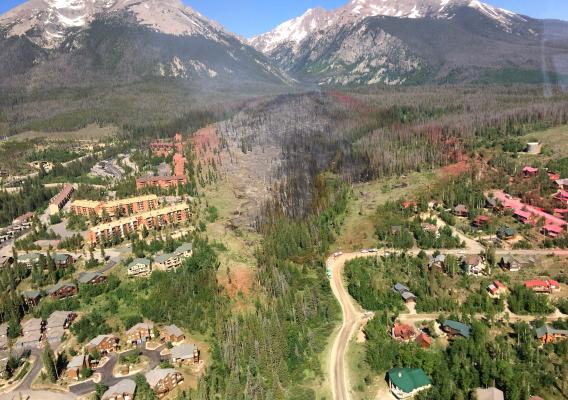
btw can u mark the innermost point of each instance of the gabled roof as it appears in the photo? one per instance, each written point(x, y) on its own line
point(173, 330)
point(183, 248)
point(33, 324)
point(58, 318)
point(548, 330)
point(141, 326)
point(463, 329)
point(156, 375)
point(60, 257)
point(408, 379)
point(60, 285)
point(400, 288)
point(29, 257)
point(183, 351)
point(76, 362)
point(164, 257)
point(99, 339)
point(86, 277)
point(138, 261)
point(123, 386)
point(408, 295)
point(472, 260)
point(31, 294)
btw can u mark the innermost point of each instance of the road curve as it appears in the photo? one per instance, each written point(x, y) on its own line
point(353, 315)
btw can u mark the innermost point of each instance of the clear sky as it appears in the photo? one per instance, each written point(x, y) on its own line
point(251, 17)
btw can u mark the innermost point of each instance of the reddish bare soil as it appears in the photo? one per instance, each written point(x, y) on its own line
point(205, 141)
point(241, 279)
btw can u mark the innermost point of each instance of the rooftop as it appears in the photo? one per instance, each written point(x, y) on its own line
point(156, 375)
point(123, 386)
point(76, 362)
point(58, 286)
point(548, 330)
point(86, 277)
point(463, 329)
point(138, 261)
point(141, 326)
point(408, 379)
point(183, 351)
point(163, 257)
point(489, 394)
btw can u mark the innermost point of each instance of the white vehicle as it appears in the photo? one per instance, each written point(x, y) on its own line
point(337, 254)
point(365, 251)
point(373, 250)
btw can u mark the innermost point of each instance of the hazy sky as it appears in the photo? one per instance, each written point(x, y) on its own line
point(251, 17)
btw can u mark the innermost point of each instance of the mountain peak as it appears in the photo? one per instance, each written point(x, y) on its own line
point(51, 20)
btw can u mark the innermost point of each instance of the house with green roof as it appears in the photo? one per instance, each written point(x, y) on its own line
point(139, 267)
point(455, 328)
point(407, 382)
point(63, 260)
point(31, 297)
point(29, 259)
point(184, 251)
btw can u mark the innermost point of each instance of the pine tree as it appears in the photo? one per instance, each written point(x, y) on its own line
point(48, 359)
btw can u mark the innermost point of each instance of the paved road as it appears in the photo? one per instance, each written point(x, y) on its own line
point(108, 378)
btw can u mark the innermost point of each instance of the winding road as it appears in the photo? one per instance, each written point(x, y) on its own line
point(353, 316)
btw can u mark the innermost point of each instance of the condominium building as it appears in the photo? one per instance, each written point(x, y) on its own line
point(123, 227)
point(163, 182)
point(133, 205)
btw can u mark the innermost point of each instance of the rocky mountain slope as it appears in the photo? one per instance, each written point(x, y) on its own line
point(67, 42)
point(413, 41)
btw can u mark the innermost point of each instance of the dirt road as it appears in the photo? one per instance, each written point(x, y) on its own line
point(353, 316)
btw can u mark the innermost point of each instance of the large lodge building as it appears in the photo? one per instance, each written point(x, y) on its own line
point(134, 205)
point(151, 219)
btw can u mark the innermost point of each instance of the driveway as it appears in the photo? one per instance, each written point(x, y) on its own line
point(108, 378)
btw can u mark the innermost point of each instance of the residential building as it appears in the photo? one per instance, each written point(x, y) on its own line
point(481, 221)
point(474, 265)
point(510, 263)
point(163, 381)
point(63, 260)
point(24, 219)
point(461, 211)
point(552, 231)
point(506, 233)
point(140, 333)
point(489, 394)
point(76, 365)
point(562, 183)
point(423, 340)
point(62, 290)
point(407, 382)
point(91, 278)
point(543, 286)
point(139, 267)
point(31, 298)
point(29, 259)
point(562, 197)
point(403, 332)
point(123, 390)
point(61, 318)
point(455, 328)
point(162, 148)
point(524, 217)
point(529, 172)
point(184, 251)
point(561, 213)
point(171, 333)
point(59, 201)
point(547, 334)
point(179, 164)
point(166, 262)
point(128, 206)
point(185, 354)
point(29, 341)
point(124, 227)
point(404, 292)
point(32, 325)
point(496, 289)
point(163, 182)
point(104, 344)
point(437, 263)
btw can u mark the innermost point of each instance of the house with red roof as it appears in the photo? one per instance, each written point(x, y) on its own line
point(562, 183)
point(529, 171)
point(496, 289)
point(424, 341)
point(481, 221)
point(561, 213)
point(403, 333)
point(562, 197)
point(543, 286)
point(524, 217)
point(553, 176)
point(551, 231)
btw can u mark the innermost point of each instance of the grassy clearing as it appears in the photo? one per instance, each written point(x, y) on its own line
point(555, 141)
point(92, 131)
point(359, 231)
